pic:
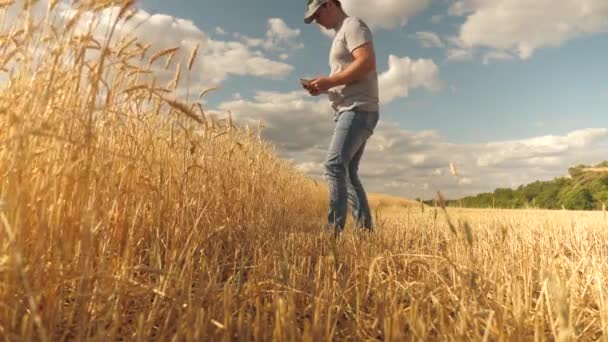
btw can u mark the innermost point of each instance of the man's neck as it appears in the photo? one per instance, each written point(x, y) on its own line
point(339, 20)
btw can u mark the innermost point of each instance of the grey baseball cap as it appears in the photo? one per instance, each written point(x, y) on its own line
point(313, 6)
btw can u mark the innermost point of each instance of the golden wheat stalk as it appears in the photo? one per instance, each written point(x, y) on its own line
point(125, 7)
point(129, 237)
point(6, 3)
point(170, 58)
point(143, 50)
point(206, 91)
point(139, 71)
point(74, 18)
point(125, 45)
point(453, 169)
point(182, 107)
point(52, 5)
point(162, 53)
point(174, 83)
point(193, 56)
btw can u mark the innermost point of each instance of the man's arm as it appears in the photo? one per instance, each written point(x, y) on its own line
point(364, 61)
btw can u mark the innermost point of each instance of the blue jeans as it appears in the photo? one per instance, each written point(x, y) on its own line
point(352, 130)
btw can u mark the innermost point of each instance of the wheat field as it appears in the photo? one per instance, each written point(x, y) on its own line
point(128, 213)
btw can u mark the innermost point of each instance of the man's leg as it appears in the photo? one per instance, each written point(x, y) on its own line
point(349, 135)
point(356, 193)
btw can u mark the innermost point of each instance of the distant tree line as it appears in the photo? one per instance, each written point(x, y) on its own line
point(586, 188)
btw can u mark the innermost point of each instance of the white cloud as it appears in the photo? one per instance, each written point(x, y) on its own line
point(429, 39)
point(387, 14)
point(522, 26)
point(279, 29)
point(458, 54)
point(465, 181)
point(279, 32)
point(298, 123)
point(294, 121)
point(415, 158)
point(415, 163)
point(278, 37)
point(457, 51)
point(216, 59)
point(404, 74)
point(544, 148)
point(496, 55)
point(398, 161)
point(308, 167)
point(36, 12)
point(220, 31)
point(251, 42)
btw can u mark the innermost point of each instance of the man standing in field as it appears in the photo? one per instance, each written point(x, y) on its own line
point(352, 87)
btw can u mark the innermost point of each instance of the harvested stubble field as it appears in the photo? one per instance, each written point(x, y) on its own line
point(128, 214)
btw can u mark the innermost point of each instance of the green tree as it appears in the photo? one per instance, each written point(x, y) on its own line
point(582, 190)
point(576, 171)
point(579, 200)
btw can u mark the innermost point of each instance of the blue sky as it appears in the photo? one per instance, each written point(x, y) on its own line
point(554, 91)
point(509, 91)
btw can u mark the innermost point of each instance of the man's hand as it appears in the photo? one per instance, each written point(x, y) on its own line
point(322, 84)
point(310, 90)
point(306, 84)
point(313, 92)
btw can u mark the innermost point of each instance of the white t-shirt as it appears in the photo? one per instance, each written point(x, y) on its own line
point(361, 94)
